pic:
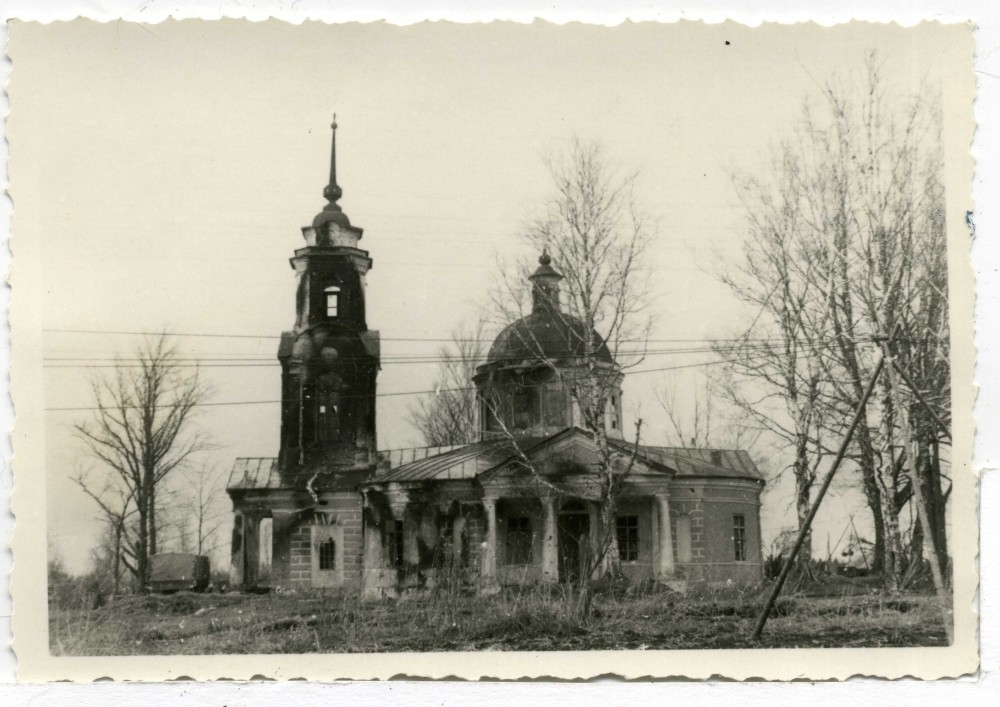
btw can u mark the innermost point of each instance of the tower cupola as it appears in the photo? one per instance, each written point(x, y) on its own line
point(545, 286)
point(330, 359)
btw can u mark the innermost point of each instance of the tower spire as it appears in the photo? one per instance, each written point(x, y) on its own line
point(332, 191)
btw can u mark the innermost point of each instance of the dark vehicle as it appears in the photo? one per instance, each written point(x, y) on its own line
point(179, 571)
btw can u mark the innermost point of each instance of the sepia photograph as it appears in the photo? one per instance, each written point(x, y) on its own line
point(557, 349)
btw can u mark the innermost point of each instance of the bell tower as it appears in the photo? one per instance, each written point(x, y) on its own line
point(330, 359)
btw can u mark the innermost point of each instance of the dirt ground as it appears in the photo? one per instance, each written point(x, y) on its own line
point(529, 620)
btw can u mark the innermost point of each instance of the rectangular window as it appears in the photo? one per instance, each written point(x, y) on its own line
point(328, 555)
point(628, 538)
point(332, 301)
point(740, 537)
point(394, 543)
point(518, 541)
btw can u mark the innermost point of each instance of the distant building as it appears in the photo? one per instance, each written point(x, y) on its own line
point(331, 511)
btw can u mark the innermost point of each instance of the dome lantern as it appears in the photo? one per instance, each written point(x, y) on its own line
point(545, 285)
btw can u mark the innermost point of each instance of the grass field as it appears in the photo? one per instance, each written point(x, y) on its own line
point(841, 615)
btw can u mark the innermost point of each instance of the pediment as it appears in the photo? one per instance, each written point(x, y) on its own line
point(573, 452)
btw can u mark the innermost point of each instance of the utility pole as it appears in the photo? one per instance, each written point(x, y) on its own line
point(804, 530)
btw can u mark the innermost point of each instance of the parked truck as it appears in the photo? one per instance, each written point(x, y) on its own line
point(179, 571)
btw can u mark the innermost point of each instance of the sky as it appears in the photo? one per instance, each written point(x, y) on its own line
point(166, 172)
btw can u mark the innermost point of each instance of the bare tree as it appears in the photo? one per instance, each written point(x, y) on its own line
point(450, 415)
point(205, 491)
point(141, 433)
point(701, 417)
point(857, 197)
point(117, 511)
point(592, 232)
point(776, 373)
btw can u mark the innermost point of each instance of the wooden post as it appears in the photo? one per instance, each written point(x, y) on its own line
point(804, 530)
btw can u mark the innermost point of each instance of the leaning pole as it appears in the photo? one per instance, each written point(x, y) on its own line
point(804, 530)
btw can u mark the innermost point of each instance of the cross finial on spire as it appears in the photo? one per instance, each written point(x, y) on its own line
point(544, 259)
point(332, 191)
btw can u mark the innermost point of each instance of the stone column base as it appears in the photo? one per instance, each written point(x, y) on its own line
point(379, 584)
point(675, 585)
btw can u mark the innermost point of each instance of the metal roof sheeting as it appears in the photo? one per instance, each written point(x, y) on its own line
point(255, 473)
point(458, 464)
point(398, 457)
point(722, 463)
point(469, 461)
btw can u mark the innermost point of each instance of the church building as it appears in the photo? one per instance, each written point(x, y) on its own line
point(331, 511)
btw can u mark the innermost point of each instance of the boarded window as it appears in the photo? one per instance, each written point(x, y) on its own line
point(518, 541)
point(683, 538)
point(394, 543)
point(328, 555)
point(329, 413)
point(628, 538)
point(523, 406)
point(740, 537)
point(555, 406)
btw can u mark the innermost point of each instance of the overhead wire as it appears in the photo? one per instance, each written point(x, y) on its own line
point(388, 395)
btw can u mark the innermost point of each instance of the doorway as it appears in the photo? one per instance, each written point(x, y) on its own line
point(574, 541)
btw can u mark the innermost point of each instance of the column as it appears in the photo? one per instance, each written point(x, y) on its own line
point(373, 562)
point(457, 541)
point(550, 549)
point(490, 585)
point(411, 535)
point(238, 550)
point(665, 565)
point(283, 525)
point(251, 550)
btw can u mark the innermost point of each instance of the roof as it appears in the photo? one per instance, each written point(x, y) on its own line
point(462, 463)
point(545, 334)
point(467, 462)
point(722, 463)
point(398, 457)
point(255, 473)
point(263, 473)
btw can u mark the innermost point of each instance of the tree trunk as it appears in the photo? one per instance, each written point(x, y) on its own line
point(929, 467)
point(116, 565)
point(152, 520)
point(803, 488)
point(142, 547)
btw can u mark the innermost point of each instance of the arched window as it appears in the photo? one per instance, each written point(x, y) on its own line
point(332, 301)
point(328, 555)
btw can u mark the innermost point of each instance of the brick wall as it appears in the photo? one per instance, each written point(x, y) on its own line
point(710, 509)
point(347, 509)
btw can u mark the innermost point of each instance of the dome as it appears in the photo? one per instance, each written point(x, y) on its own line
point(545, 334)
